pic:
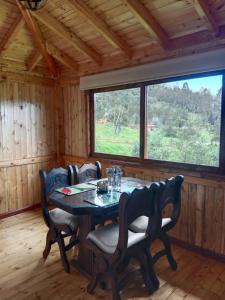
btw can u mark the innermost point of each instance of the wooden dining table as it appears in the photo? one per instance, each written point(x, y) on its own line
point(93, 208)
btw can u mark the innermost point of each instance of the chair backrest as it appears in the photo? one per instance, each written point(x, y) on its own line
point(73, 171)
point(141, 202)
point(85, 172)
point(51, 180)
point(172, 195)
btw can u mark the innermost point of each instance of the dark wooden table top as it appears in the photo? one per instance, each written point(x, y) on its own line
point(78, 204)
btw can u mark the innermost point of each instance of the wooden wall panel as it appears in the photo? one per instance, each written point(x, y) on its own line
point(27, 141)
point(27, 120)
point(75, 121)
point(59, 124)
point(20, 186)
point(202, 216)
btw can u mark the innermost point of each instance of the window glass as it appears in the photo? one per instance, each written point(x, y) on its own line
point(183, 121)
point(117, 122)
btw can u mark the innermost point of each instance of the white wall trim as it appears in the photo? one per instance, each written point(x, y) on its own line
point(191, 64)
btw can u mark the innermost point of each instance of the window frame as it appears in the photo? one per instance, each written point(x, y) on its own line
point(142, 160)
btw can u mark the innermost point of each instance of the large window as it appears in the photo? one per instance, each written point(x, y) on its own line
point(177, 121)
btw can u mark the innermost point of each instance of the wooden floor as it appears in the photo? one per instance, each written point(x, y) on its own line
point(25, 275)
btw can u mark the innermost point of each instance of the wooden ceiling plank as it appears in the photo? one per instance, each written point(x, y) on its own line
point(148, 21)
point(197, 42)
point(11, 33)
point(37, 36)
point(66, 34)
point(62, 57)
point(33, 61)
point(100, 26)
point(203, 11)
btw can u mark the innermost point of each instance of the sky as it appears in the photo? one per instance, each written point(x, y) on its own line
point(213, 83)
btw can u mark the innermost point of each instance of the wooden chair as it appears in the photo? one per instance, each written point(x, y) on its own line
point(171, 195)
point(85, 173)
point(61, 224)
point(113, 245)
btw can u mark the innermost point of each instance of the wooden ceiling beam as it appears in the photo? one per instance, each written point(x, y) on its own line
point(66, 34)
point(33, 61)
point(37, 36)
point(203, 11)
point(148, 21)
point(65, 59)
point(11, 33)
point(99, 25)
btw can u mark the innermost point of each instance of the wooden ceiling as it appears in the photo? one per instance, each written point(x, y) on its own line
point(71, 38)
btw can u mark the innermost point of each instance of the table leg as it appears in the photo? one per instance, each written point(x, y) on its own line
point(85, 257)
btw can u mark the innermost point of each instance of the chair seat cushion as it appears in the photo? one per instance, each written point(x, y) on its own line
point(141, 223)
point(61, 217)
point(106, 238)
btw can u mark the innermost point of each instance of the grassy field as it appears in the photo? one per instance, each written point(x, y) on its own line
point(160, 146)
point(122, 143)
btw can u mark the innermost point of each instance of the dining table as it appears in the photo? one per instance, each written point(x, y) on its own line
point(93, 208)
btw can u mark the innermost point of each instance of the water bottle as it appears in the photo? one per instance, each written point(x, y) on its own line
point(110, 175)
point(117, 178)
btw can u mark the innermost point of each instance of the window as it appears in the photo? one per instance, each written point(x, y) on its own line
point(175, 120)
point(117, 122)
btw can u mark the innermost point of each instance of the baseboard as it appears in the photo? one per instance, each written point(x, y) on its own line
point(198, 249)
point(19, 211)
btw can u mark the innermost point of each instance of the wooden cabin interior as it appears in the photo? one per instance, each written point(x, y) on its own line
point(61, 62)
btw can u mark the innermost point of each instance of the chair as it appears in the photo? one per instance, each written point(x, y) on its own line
point(61, 224)
point(171, 195)
point(113, 245)
point(85, 173)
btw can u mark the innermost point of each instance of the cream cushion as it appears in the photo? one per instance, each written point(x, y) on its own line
point(61, 217)
point(106, 238)
point(141, 223)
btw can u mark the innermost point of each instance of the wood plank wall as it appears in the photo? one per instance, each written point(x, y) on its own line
point(76, 121)
point(202, 220)
point(27, 141)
